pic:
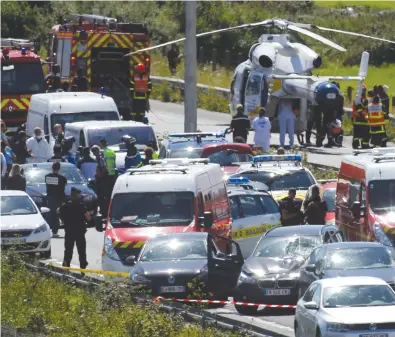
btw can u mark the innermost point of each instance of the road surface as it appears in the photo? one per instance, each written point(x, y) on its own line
point(167, 118)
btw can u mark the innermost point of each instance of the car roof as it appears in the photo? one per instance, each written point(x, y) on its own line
point(351, 280)
point(355, 244)
point(46, 165)
point(330, 185)
point(181, 144)
point(238, 190)
point(105, 124)
point(270, 168)
point(64, 95)
point(296, 230)
point(181, 236)
point(9, 193)
point(232, 146)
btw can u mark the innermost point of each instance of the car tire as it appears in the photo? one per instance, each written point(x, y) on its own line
point(318, 333)
point(248, 311)
point(297, 329)
point(47, 254)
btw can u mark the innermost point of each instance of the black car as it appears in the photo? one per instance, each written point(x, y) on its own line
point(36, 188)
point(168, 263)
point(347, 259)
point(270, 275)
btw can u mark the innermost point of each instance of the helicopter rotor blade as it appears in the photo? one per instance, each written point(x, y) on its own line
point(244, 26)
point(315, 36)
point(352, 33)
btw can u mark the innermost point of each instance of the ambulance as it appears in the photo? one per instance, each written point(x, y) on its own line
point(168, 196)
point(365, 196)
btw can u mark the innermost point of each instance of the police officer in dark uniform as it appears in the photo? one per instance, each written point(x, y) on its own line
point(289, 210)
point(80, 81)
point(74, 216)
point(240, 124)
point(56, 184)
point(53, 79)
point(57, 157)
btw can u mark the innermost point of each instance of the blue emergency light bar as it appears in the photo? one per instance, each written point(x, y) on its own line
point(238, 180)
point(286, 157)
point(197, 134)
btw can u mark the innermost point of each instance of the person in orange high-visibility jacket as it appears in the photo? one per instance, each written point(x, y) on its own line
point(359, 118)
point(377, 123)
point(140, 90)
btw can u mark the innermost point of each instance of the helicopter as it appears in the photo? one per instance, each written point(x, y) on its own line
point(278, 69)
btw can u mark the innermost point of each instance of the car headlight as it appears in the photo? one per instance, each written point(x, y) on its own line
point(139, 279)
point(110, 250)
point(246, 277)
point(42, 228)
point(381, 236)
point(337, 327)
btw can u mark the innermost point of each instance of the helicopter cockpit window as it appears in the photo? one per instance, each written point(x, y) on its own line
point(254, 85)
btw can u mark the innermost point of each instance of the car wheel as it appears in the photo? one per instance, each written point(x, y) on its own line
point(318, 333)
point(244, 310)
point(46, 255)
point(297, 329)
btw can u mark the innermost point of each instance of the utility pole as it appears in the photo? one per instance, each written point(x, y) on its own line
point(190, 99)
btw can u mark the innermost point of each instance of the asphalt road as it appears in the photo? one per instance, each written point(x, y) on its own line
point(167, 118)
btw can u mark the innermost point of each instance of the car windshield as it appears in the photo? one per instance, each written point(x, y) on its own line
point(280, 247)
point(188, 152)
point(167, 250)
point(382, 195)
point(358, 296)
point(62, 119)
point(359, 258)
point(36, 175)
point(260, 176)
point(161, 208)
point(16, 205)
point(329, 196)
point(143, 135)
point(227, 157)
point(301, 180)
point(24, 78)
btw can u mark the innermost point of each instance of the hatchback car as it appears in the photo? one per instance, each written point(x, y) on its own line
point(22, 225)
point(167, 264)
point(271, 273)
point(346, 306)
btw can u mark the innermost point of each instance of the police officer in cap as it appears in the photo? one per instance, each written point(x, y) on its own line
point(56, 184)
point(74, 216)
point(240, 124)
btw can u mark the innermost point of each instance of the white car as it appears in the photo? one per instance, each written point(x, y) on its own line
point(254, 212)
point(346, 306)
point(22, 225)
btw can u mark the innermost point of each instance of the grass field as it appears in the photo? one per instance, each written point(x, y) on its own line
point(375, 4)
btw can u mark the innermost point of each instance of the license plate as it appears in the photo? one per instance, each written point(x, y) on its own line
point(13, 241)
point(277, 292)
point(374, 335)
point(172, 289)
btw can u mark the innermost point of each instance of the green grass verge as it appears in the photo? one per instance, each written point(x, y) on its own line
point(43, 305)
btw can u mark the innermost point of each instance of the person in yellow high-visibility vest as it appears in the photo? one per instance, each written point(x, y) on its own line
point(140, 89)
point(377, 123)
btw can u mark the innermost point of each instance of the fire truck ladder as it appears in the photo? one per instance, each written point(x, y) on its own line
point(16, 43)
point(93, 18)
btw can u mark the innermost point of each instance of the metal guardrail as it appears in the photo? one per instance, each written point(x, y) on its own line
point(179, 83)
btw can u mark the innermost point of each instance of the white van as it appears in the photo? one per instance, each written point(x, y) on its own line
point(46, 110)
point(170, 196)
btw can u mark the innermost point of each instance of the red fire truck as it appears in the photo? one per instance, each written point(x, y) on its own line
point(21, 76)
point(98, 45)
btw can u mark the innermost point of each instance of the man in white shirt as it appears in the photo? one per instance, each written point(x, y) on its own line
point(262, 126)
point(38, 148)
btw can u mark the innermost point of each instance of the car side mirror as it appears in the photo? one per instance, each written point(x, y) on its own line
point(311, 305)
point(98, 222)
point(310, 268)
point(220, 255)
point(131, 259)
point(44, 210)
point(207, 219)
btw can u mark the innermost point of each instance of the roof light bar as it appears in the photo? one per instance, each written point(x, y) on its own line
point(376, 151)
point(382, 158)
point(197, 134)
point(238, 180)
point(179, 161)
point(287, 157)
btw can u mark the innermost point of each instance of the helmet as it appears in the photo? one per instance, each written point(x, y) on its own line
point(145, 120)
point(140, 68)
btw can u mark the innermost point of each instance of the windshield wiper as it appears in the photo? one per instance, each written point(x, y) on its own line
point(130, 223)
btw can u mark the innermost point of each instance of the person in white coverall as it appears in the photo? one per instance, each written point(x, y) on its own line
point(262, 126)
point(286, 121)
point(38, 148)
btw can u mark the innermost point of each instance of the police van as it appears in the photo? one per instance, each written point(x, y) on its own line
point(168, 196)
point(48, 109)
point(280, 173)
point(365, 196)
point(254, 212)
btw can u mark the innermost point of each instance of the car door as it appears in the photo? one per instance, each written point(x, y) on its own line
point(310, 314)
point(303, 313)
point(253, 222)
point(253, 93)
point(307, 277)
point(223, 269)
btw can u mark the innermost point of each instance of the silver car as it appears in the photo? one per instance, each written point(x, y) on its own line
point(346, 306)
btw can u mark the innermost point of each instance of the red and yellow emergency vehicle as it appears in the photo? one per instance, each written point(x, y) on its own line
point(21, 76)
point(98, 46)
